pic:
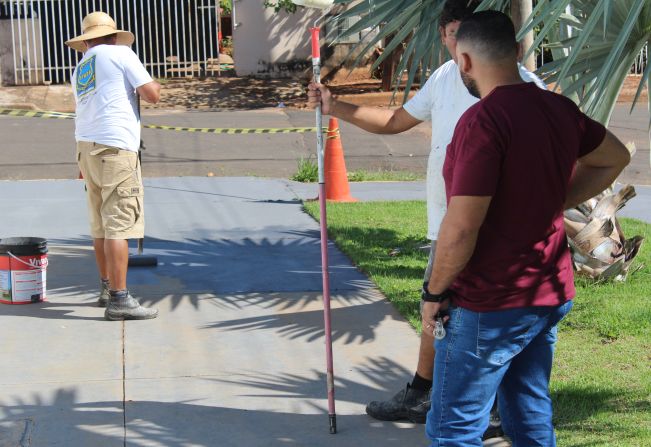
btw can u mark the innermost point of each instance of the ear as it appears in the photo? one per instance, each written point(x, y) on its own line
point(464, 61)
point(442, 33)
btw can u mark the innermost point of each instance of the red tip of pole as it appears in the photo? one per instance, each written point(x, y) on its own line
point(316, 47)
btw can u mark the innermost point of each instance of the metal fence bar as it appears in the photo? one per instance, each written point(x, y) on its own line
point(121, 15)
point(40, 16)
point(178, 46)
point(31, 52)
point(157, 37)
point(142, 53)
point(48, 41)
point(641, 61)
point(20, 40)
point(60, 33)
point(213, 12)
point(183, 37)
point(72, 34)
point(149, 28)
point(196, 32)
point(68, 35)
point(203, 32)
point(13, 34)
point(170, 35)
point(162, 13)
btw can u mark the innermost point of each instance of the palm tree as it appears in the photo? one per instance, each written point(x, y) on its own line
point(594, 44)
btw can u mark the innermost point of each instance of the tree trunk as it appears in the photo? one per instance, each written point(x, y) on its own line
point(520, 11)
point(388, 66)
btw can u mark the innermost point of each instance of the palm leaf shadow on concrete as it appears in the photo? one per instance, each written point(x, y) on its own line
point(381, 374)
point(61, 414)
point(208, 272)
point(353, 324)
point(208, 266)
point(372, 244)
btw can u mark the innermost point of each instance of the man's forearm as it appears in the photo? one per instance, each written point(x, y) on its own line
point(587, 182)
point(371, 119)
point(597, 171)
point(454, 248)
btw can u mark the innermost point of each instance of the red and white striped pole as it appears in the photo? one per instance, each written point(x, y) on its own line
point(316, 66)
point(316, 69)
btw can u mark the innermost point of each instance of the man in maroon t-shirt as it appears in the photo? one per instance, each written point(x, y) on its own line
point(502, 271)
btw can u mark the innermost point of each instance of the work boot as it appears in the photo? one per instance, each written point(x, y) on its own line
point(122, 306)
point(104, 294)
point(494, 429)
point(410, 404)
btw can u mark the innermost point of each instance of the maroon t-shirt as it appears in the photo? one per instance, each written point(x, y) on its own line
point(519, 145)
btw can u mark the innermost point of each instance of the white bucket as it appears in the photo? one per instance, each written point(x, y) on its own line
point(23, 265)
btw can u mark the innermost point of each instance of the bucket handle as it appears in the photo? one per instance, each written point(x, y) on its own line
point(26, 263)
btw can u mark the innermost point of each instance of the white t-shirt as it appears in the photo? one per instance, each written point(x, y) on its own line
point(443, 100)
point(104, 83)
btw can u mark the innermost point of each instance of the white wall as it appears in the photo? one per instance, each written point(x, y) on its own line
point(271, 44)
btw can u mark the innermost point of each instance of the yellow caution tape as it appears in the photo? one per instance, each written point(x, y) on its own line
point(232, 131)
point(333, 134)
point(35, 114)
point(229, 131)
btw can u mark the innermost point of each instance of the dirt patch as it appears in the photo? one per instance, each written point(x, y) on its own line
point(630, 89)
point(235, 93)
point(227, 93)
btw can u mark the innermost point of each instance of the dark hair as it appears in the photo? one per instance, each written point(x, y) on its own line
point(457, 10)
point(102, 39)
point(491, 33)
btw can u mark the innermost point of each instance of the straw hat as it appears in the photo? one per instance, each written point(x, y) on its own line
point(99, 24)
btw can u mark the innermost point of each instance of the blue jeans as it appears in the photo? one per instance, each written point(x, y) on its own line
point(483, 352)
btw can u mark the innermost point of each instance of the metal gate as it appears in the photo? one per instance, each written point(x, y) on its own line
point(173, 37)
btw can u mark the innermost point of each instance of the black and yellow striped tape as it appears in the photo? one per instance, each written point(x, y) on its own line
point(233, 131)
point(218, 130)
point(35, 114)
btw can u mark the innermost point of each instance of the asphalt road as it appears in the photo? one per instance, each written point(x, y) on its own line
point(33, 148)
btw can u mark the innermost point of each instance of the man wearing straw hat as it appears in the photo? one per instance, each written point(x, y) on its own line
point(107, 130)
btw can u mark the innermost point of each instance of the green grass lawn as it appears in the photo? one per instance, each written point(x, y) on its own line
point(601, 382)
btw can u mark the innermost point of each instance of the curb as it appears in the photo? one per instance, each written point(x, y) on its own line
point(20, 105)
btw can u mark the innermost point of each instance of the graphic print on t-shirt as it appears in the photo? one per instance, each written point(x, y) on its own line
point(86, 77)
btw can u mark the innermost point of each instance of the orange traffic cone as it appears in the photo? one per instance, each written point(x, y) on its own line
point(336, 177)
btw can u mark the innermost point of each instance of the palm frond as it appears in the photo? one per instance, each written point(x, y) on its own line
point(594, 43)
point(412, 26)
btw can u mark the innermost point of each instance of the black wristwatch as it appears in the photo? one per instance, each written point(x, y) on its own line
point(434, 297)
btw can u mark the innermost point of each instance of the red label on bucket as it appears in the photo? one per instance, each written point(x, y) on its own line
point(22, 278)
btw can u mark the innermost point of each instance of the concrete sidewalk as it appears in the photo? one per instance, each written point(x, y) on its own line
point(236, 357)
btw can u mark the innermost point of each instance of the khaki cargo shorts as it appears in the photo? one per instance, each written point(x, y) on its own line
point(115, 192)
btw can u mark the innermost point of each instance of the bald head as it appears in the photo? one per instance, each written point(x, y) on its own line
point(490, 36)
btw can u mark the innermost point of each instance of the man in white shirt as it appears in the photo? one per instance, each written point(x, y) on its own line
point(442, 100)
point(106, 83)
